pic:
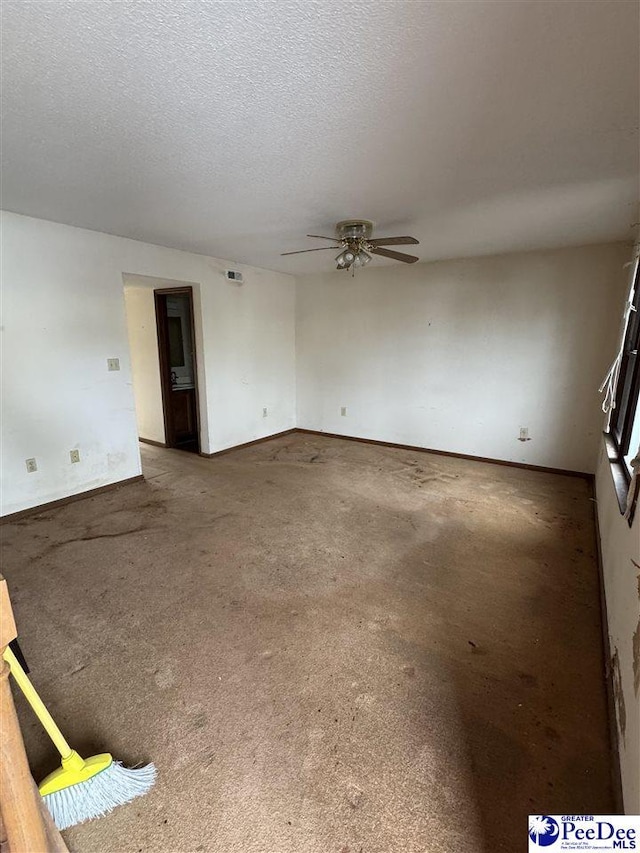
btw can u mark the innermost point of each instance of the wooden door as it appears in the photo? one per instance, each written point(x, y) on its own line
point(176, 349)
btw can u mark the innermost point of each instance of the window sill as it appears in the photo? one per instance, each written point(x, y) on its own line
point(619, 472)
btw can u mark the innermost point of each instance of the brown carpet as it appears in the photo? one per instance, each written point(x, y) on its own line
point(324, 646)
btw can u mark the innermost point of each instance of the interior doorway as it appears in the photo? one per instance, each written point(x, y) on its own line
point(178, 372)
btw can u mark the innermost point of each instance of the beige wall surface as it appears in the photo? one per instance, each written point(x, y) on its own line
point(460, 355)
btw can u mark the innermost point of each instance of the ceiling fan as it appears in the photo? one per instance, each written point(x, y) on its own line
point(353, 237)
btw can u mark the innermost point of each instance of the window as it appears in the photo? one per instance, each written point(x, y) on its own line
point(623, 435)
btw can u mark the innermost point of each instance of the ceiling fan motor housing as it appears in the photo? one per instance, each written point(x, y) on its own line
point(354, 229)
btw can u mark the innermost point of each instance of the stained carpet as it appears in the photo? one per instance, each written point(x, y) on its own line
point(324, 646)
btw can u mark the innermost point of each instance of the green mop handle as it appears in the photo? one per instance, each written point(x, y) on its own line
point(36, 703)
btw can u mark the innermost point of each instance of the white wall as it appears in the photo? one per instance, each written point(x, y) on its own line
point(459, 355)
point(249, 355)
point(64, 315)
point(620, 546)
point(145, 362)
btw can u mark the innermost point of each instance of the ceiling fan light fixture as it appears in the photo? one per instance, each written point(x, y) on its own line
point(346, 258)
point(362, 258)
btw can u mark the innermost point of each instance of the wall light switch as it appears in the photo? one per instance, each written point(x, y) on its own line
point(264, 412)
point(113, 364)
point(343, 411)
point(32, 465)
point(75, 455)
point(524, 434)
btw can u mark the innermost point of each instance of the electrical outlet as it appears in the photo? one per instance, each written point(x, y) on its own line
point(32, 465)
point(113, 364)
point(264, 412)
point(75, 455)
point(524, 434)
point(343, 411)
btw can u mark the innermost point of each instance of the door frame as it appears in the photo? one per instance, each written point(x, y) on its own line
point(159, 297)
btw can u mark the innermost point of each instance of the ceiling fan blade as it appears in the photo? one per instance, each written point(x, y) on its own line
point(393, 241)
point(302, 251)
point(321, 237)
point(396, 256)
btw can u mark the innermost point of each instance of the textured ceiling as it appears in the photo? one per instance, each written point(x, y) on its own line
point(234, 128)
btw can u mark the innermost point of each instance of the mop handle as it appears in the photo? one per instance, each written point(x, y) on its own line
point(36, 703)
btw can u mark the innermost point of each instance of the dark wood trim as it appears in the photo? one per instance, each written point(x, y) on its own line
point(165, 372)
point(249, 443)
point(90, 493)
point(627, 390)
point(634, 402)
point(151, 441)
point(614, 744)
point(619, 472)
point(564, 472)
point(160, 295)
point(585, 475)
point(415, 448)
